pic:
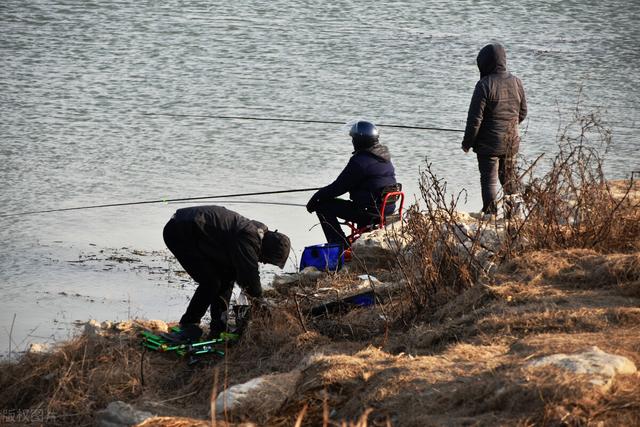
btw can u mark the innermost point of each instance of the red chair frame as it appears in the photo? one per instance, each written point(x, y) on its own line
point(357, 232)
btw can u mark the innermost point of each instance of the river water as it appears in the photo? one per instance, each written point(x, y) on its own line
point(77, 77)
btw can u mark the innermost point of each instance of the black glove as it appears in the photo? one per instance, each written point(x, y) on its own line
point(312, 204)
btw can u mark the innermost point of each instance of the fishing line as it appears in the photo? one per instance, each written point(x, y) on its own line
point(251, 202)
point(183, 199)
point(290, 120)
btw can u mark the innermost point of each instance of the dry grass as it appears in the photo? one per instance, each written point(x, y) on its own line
point(273, 342)
point(85, 374)
point(465, 364)
point(466, 384)
point(177, 422)
point(581, 268)
point(572, 204)
point(70, 378)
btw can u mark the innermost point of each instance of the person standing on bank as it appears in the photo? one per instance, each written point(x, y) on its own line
point(497, 107)
point(218, 247)
point(367, 173)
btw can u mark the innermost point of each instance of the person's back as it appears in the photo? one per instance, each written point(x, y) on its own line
point(368, 172)
point(221, 225)
point(377, 172)
point(497, 106)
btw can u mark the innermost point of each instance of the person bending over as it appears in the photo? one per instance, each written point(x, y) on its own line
point(367, 173)
point(218, 247)
point(497, 107)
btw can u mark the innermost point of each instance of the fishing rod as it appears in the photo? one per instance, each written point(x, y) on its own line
point(183, 199)
point(249, 202)
point(290, 120)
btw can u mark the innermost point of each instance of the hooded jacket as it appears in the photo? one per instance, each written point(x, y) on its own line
point(497, 107)
point(231, 242)
point(368, 171)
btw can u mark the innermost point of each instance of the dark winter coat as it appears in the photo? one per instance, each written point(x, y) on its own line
point(497, 107)
point(232, 243)
point(366, 174)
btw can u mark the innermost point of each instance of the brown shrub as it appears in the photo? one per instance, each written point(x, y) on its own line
point(435, 269)
point(572, 205)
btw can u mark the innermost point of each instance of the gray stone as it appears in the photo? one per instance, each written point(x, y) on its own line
point(308, 276)
point(600, 366)
point(262, 395)
point(489, 235)
point(39, 348)
point(231, 398)
point(154, 324)
point(469, 237)
point(473, 239)
point(368, 281)
point(92, 328)
point(95, 328)
point(120, 414)
point(123, 326)
point(378, 248)
point(106, 325)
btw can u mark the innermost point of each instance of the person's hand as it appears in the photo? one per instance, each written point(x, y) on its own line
point(311, 205)
point(465, 149)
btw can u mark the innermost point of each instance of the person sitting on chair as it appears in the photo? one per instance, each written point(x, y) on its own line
point(367, 173)
point(218, 247)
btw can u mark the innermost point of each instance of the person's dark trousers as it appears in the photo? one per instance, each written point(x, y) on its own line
point(184, 240)
point(212, 297)
point(494, 169)
point(330, 210)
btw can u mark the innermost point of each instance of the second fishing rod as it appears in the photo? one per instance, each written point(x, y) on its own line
point(176, 200)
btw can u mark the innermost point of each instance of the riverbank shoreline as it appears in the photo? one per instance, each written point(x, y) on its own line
point(544, 337)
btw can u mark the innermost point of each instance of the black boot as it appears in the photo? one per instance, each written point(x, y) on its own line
point(188, 333)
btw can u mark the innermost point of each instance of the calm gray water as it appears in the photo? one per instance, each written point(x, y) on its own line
point(77, 77)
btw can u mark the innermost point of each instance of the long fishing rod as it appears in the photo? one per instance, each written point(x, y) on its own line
point(285, 119)
point(248, 202)
point(183, 199)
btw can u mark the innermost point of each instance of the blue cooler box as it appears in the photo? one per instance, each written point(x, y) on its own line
point(324, 257)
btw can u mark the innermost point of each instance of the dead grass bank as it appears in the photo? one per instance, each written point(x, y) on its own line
point(463, 365)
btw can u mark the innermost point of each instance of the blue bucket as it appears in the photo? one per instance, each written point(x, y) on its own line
point(324, 257)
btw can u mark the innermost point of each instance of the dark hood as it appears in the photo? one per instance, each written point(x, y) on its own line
point(380, 151)
point(275, 248)
point(492, 59)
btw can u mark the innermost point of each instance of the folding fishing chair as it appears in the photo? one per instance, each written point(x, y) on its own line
point(390, 194)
